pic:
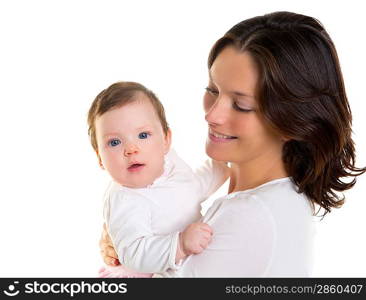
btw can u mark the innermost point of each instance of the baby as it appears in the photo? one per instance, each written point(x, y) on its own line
point(152, 205)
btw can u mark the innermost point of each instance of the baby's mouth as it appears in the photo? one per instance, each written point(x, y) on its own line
point(135, 166)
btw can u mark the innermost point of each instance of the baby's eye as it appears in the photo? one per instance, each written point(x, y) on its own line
point(114, 142)
point(144, 135)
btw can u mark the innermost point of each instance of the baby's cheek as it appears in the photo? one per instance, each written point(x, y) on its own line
point(113, 166)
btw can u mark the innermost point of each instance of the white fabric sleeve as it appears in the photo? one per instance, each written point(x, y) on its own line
point(210, 176)
point(242, 244)
point(129, 225)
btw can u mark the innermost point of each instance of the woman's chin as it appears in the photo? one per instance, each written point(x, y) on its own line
point(216, 154)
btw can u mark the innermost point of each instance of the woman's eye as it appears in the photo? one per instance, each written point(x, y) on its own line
point(114, 142)
point(211, 91)
point(238, 108)
point(144, 135)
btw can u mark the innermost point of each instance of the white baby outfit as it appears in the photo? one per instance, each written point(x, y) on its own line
point(144, 223)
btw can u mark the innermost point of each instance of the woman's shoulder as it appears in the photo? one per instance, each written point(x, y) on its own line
point(273, 189)
point(283, 183)
point(276, 196)
point(241, 207)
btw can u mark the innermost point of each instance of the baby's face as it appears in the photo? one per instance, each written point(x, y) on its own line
point(131, 143)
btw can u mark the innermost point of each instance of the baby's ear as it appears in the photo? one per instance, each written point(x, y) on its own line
point(167, 141)
point(100, 161)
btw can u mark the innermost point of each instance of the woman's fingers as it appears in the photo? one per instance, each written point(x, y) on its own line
point(108, 251)
point(109, 255)
point(105, 236)
point(110, 261)
point(104, 241)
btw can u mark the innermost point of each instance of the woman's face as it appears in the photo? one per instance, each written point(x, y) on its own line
point(237, 133)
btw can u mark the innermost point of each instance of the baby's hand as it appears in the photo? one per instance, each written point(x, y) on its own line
point(195, 238)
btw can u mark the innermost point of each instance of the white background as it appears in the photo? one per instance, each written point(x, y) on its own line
point(57, 55)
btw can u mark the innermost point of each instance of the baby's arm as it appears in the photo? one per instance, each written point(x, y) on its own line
point(193, 240)
point(129, 225)
point(210, 176)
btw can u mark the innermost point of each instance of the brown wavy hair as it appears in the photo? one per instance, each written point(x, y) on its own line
point(301, 96)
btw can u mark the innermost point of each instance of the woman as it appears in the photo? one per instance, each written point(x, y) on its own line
point(277, 110)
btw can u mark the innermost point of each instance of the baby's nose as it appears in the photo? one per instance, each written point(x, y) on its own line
point(130, 149)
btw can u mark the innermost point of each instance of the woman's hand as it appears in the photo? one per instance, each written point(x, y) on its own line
point(109, 255)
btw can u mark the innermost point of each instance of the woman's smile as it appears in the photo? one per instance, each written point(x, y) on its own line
point(219, 137)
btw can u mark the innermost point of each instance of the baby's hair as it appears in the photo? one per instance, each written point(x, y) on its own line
point(117, 95)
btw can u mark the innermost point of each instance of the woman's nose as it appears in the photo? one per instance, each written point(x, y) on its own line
point(218, 112)
point(130, 149)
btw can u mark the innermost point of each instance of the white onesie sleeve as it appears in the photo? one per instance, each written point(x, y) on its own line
point(128, 219)
point(210, 176)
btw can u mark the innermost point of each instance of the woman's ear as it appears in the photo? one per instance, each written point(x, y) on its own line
point(285, 139)
point(167, 141)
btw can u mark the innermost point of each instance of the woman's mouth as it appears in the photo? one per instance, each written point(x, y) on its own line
point(219, 137)
point(135, 167)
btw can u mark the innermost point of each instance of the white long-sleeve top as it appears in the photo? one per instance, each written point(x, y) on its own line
point(267, 231)
point(144, 223)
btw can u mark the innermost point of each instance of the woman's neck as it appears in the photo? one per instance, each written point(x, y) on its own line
point(251, 174)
